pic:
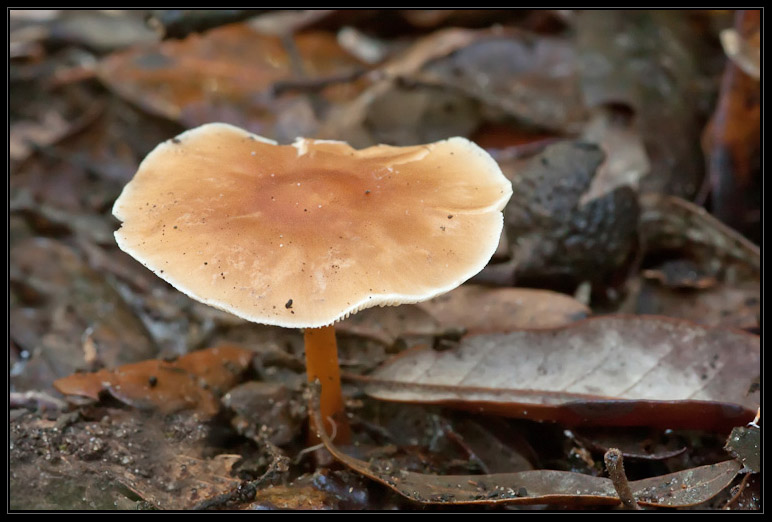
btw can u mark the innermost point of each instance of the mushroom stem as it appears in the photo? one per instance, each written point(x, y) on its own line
point(322, 364)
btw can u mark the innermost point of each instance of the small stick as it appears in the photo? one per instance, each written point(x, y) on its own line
point(616, 472)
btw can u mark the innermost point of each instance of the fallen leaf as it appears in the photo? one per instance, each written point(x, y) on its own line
point(530, 77)
point(389, 323)
point(193, 381)
point(208, 77)
point(673, 230)
point(732, 138)
point(682, 489)
point(634, 443)
point(480, 309)
point(24, 136)
point(323, 490)
point(626, 162)
point(613, 370)
point(668, 222)
point(68, 308)
point(745, 445)
point(655, 68)
point(726, 305)
point(188, 479)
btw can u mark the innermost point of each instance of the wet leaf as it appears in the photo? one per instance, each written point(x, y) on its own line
point(267, 408)
point(480, 309)
point(681, 489)
point(193, 381)
point(606, 371)
point(745, 445)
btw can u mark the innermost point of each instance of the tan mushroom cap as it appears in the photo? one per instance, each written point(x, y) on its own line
point(303, 235)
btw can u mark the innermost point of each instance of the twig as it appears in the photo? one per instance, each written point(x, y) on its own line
point(616, 472)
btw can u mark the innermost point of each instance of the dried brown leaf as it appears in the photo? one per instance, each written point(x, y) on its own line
point(187, 480)
point(614, 370)
point(191, 382)
point(668, 222)
point(220, 75)
point(479, 309)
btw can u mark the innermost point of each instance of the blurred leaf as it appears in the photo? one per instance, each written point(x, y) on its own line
point(187, 480)
point(389, 323)
point(222, 75)
point(605, 371)
point(648, 60)
point(193, 381)
point(480, 309)
point(529, 77)
point(451, 81)
point(67, 316)
point(669, 222)
point(732, 139)
point(673, 230)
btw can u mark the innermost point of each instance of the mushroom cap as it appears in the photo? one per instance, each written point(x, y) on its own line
point(303, 235)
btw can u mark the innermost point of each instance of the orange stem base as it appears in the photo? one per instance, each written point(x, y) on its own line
point(322, 363)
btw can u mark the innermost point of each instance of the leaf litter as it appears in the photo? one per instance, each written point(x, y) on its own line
point(78, 305)
point(687, 488)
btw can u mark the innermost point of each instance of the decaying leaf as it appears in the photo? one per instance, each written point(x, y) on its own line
point(648, 61)
point(732, 139)
point(525, 76)
point(634, 443)
point(479, 309)
point(745, 445)
point(681, 489)
point(668, 222)
point(193, 381)
point(614, 370)
point(218, 76)
point(721, 283)
point(67, 315)
point(387, 324)
point(190, 479)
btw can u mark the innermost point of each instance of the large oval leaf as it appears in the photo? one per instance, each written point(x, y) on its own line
point(614, 370)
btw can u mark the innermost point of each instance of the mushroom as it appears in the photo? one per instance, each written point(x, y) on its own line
point(304, 235)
